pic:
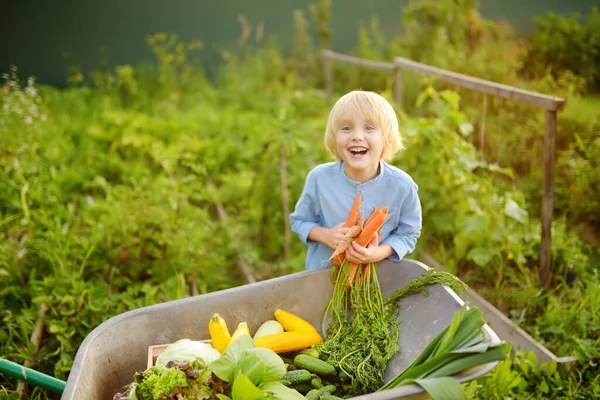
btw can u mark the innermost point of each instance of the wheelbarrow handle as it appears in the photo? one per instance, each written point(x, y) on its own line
point(31, 376)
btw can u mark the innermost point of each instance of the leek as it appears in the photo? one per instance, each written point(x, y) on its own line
point(462, 345)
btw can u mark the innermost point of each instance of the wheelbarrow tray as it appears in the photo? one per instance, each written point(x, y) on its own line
point(112, 352)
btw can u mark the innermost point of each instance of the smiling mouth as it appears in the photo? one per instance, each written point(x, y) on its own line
point(358, 151)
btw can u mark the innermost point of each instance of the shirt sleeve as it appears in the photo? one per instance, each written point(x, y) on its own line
point(306, 214)
point(403, 238)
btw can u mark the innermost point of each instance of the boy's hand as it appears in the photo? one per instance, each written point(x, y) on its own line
point(372, 253)
point(336, 235)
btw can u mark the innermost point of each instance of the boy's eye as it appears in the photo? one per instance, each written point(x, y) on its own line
point(370, 128)
point(346, 128)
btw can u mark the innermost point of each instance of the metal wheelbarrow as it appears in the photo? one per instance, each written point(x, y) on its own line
point(111, 353)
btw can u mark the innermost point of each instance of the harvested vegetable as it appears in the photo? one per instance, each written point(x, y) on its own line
point(344, 243)
point(289, 341)
point(242, 329)
point(299, 334)
point(352, 220)
point(268, 327)
point(219, 334)
point(187, 380)
point(460, 346)
point(292, 322)
point(187, 350)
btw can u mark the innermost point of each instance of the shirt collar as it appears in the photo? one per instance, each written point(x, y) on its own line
point(364, 185)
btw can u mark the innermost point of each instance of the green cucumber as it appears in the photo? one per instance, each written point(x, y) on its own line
point(287, 360)
point(297, 376)
point(315, 365)
point(313, 395)
point(317, 383)
point(302, 387)
point(327, 389)
point(310, 352)
point(291, 367)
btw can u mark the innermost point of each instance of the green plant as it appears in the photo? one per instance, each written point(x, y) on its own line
point(560, 44)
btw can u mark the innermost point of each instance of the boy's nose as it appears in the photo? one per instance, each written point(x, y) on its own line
point(357, 134)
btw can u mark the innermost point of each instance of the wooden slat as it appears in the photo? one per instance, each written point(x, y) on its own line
point(328, 71)
point(358, 61)
point(547, 198)
point(398, 87)
point(482, 85)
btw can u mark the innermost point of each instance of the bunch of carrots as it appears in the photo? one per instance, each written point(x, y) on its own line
point(360, 231)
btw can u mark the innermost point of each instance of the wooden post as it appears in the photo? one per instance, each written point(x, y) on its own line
point(328, 68)
point(398, 88)
point(285, 199)
point(547, 199)
point(482, 125)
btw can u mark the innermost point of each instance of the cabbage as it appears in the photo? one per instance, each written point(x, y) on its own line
point(188, 350)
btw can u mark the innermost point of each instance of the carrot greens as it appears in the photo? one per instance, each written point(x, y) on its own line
point(361, 345)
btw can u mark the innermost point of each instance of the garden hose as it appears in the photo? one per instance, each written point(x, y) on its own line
point(31, 376)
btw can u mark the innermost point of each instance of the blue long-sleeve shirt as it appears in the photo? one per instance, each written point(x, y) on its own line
point(328, 195)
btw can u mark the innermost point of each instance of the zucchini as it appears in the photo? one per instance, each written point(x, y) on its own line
point(297, 376)
point(315, 365)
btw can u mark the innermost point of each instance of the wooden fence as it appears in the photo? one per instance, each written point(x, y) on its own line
point(552, 105)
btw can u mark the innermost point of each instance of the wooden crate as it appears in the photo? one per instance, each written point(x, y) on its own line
point(155, 350)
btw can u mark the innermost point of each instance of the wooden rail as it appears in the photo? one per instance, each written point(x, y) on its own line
point(551, 104)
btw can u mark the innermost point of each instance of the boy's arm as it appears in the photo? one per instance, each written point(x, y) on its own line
point(403, 239)
point(305, 221)
point(306, 214)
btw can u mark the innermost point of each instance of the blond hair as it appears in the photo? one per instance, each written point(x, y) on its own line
point(373, 108)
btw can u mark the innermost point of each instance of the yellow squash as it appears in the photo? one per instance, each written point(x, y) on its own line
point(219, 334)
point(289, 341)
point(242, 329)
point(292, 322)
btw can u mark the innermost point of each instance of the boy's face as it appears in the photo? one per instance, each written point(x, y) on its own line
point(359, 143)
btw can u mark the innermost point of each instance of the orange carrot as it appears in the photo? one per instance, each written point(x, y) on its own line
point(375, 222)
point(353, 214)
point(344, 243)
point(351, 220)
point(336, 262)
point(361, 221)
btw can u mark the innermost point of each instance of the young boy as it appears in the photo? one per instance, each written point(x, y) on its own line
point(362, 132)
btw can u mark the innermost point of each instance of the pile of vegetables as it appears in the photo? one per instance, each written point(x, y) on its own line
point(232, 366)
